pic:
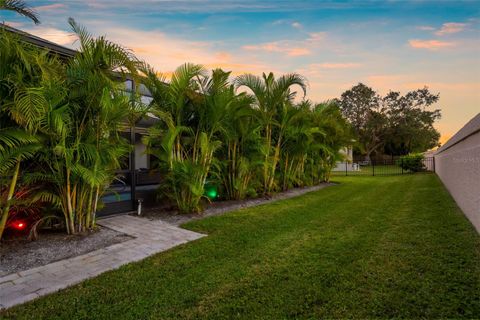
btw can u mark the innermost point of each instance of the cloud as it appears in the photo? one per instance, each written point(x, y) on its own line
point(54, 35)
point(425, 28)
point(206, 6)
point(316, 36)
point(50, 7)
point(297, 25)
point(327, 65)
point(284, 46)
point(450, 27)
point(288, 22)
point(385, 82)
point(14, 24)
point(223, 56)
point(164, 52)
point(291, 48)
point(430, 44)
point(296, 52)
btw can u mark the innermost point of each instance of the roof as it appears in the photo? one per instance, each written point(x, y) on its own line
point(472, 127)
point(68, 53)
point(40, 42)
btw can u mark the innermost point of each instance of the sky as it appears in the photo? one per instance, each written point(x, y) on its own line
point(388, 45)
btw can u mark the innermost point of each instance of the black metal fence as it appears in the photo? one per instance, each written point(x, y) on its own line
point(380, 167)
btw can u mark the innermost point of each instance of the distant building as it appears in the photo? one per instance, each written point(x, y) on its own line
point(346, 164)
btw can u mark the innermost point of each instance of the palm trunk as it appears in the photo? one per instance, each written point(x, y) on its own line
point(70, 224)
point(11, 191)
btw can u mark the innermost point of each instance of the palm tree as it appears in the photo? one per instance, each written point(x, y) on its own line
point(273, 99)
point(21, 8)
point(192, 112)
point(86, 112)
point(21, 111)
point(77, 111)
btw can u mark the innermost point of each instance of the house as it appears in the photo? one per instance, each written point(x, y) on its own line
point(346, 164)
point(136, 181)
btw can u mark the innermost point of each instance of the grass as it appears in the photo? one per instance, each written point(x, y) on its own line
point(369, 247)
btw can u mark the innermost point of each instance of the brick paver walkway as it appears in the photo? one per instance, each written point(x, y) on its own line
point(150, 237)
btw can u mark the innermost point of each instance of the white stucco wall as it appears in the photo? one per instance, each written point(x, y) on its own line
point(346, 163)
point(458, 166)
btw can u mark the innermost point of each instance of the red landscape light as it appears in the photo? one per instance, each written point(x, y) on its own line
point(19, 225)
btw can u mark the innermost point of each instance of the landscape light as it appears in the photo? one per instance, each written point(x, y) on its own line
point(19, 225)
point(211, 192)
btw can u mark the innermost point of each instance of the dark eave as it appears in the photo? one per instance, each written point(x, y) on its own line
point(54, 48)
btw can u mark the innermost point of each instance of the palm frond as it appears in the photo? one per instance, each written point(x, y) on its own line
point(21, 8)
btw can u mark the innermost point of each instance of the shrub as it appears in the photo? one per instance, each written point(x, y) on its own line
point(412, 162)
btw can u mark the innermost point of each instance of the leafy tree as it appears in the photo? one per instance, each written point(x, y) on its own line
point(361, 106)
point(410, 123)
point(393, 124)
point(21, 8)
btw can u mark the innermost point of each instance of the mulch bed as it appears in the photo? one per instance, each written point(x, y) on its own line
point(18, 254)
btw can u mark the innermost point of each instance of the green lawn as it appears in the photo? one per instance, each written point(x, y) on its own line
point(368, 247)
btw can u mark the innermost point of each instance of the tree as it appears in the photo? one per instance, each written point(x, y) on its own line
point(239, 157)
point(192, 111)
point(84, 107)
point(410, 123)
point(273, 99)
point(21, 112)
point(393, 124)
point(334, 134)
point(361, 106)
point(21, 8)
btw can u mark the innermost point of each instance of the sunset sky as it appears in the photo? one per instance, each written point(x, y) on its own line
point(396, 45)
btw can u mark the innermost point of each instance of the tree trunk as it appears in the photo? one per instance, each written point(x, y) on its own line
point(11, 191)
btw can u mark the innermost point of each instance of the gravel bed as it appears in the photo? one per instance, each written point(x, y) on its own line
point(222, 207)
point(18, 254)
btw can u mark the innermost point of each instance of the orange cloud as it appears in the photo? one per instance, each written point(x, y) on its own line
point(223, 56)
point(430, 44)
point(451, 27)
point(316, 36)
point(281, 47)
point(295, 52)
point(55, 35)
point(335, 65)
point(14, 24)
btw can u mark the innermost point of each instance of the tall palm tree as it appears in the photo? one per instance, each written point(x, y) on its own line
point(240, 155)
point(21, 8)
point(84, 116)
point(21, 111)
point(192, 111)
point(273, 99)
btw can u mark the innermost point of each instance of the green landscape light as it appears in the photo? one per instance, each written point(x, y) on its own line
point(211, 192)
